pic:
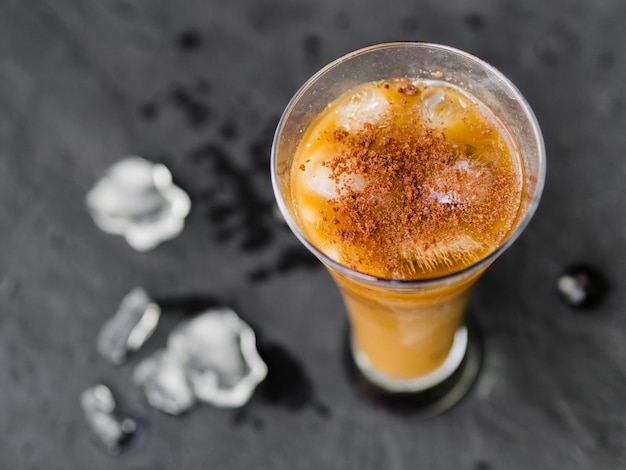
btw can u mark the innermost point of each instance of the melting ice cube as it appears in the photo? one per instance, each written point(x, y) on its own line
point(133, 323)
point(443, 107)
point(462, 183)
point(212, 358)
point(317, 176)
point(137, 199)
point(113, 430)
point(164, 382)
point(445, 197)
point(219, 354)
point(462, 249)
point(368, 106)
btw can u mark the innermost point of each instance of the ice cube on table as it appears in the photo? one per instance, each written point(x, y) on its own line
point(367, 106)
point(113, 430)
point(164, 382)
point(211, 357)
point(137, 199)
point(133, 323)
point(317, 175)
point(219, 354)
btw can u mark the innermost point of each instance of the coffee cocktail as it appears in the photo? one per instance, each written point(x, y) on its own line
point(407, 168)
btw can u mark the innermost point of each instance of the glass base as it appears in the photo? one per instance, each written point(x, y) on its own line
point(427, 395)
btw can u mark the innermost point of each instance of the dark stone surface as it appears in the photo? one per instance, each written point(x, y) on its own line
point(199, 86)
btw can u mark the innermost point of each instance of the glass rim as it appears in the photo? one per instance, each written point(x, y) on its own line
point(485, 260)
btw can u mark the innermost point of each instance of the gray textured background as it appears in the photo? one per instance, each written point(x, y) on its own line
point(84, 83)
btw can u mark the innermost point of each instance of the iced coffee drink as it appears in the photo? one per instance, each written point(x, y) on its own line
point(406, 179)
point(406, 183)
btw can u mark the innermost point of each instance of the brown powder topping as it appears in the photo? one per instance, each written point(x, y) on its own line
point(427, 203)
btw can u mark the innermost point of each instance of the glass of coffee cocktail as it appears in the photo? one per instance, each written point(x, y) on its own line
point(407, 168)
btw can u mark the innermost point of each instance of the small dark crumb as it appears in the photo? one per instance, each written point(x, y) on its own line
point(256, 238)
point(606, 59)
point(189, 40)
point(243, 416)
point(260, 275)
point(149, 111)
point(409, 24)
point(202, 85)
point(194, 109)
point(180, 95)
point(206, 196)
point(323, 410)
point(258, 424)
point(311, 44)
point(240, 416)
point(581, 285)
point(219, 214)
point(197, 113)
point(482, 465)
point(342, 21)
point(228, 130)
point(475, 21)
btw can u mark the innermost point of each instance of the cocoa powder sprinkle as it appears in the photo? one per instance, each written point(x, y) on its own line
point(417, 200)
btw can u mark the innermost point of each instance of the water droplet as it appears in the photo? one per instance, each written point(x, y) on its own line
point(581, 285)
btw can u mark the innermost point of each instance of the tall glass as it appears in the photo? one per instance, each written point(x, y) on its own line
point(409, 340)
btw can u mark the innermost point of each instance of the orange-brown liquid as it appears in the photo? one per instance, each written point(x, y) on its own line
point(406, 333)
